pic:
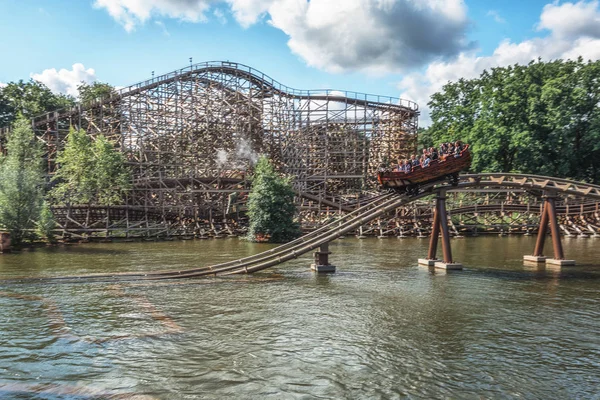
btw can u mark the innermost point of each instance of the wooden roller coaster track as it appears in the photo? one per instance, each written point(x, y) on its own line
point(183, 131)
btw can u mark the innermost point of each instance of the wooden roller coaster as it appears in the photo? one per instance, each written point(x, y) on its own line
point(187, 133)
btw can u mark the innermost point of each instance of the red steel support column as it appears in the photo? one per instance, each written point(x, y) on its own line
point(542, 232)
point(447, 251)
point(558, 250)
point(435, 232)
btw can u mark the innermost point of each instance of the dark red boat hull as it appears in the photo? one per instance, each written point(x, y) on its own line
point(437, 170)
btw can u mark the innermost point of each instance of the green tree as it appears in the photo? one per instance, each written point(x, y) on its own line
point(271, 206)
point(45, 224)
point(21, 182)
point(111, 176)
point(90, 172)
point(74, 177)
point(29, 99)
point(424, 138)
point(541, 118)
point(88, 93)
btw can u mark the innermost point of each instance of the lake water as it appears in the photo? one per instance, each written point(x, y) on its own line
point(380, 328)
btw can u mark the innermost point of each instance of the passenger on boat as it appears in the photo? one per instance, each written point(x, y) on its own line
point(458, 148)
point(443, 149)
point(414, 161)
point(407, 167)
point(434, 154)
point(450, 148)
point(400, 166)
point(426, 162)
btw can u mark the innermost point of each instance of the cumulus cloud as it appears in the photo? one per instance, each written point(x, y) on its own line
point(248, 12)
point(334, 35)
point(572, 35)
point(131, 13)
point(571, 20)
point(66, 81)
point(388, 35)
point(372, 35)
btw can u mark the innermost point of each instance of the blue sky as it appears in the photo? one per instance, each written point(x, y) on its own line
point(401, 48)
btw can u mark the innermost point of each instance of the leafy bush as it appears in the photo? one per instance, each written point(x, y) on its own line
point(271, 206)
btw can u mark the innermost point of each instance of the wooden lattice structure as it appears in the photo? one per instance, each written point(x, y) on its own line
point(192, 135)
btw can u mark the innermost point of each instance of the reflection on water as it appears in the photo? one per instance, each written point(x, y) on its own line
point(381, 327)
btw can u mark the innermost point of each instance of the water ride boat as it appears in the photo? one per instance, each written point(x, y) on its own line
point(445, 167)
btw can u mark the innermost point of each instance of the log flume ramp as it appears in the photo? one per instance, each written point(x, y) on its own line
point(338, 227)
point(258, 262)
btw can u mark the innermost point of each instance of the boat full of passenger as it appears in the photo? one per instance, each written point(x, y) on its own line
point(408, 179)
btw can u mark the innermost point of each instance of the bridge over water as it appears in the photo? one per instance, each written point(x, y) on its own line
point(546, 187)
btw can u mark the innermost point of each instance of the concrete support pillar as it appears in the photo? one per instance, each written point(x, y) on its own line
point(549, 218)
point(440, 225)
point(321, 263)
point(5, 242)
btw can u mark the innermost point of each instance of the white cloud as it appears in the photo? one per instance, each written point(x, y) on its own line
point(2, 84)
point(334, 35)
point(130, 13)
point(248, 12)
point(571, 20)
point(569, 37)
point(372, 35)
point(66, 81)
point(388, 35)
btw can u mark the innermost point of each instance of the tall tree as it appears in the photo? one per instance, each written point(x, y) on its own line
point(271, 206)
point(21, 182)
point(29, 99)
point(88, 93)
point(74, 181)
point(540, 118)
point(90, 172)
point(111, 176)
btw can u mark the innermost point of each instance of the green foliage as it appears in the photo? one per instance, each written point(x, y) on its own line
point(45, 224)
point(90, 172)
point(111, 177)
point(21, 182)
point(96, 91)
point(74, 177)
point(271, 206)
point(541, 118)
point(29, 99)
point(424, 139)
